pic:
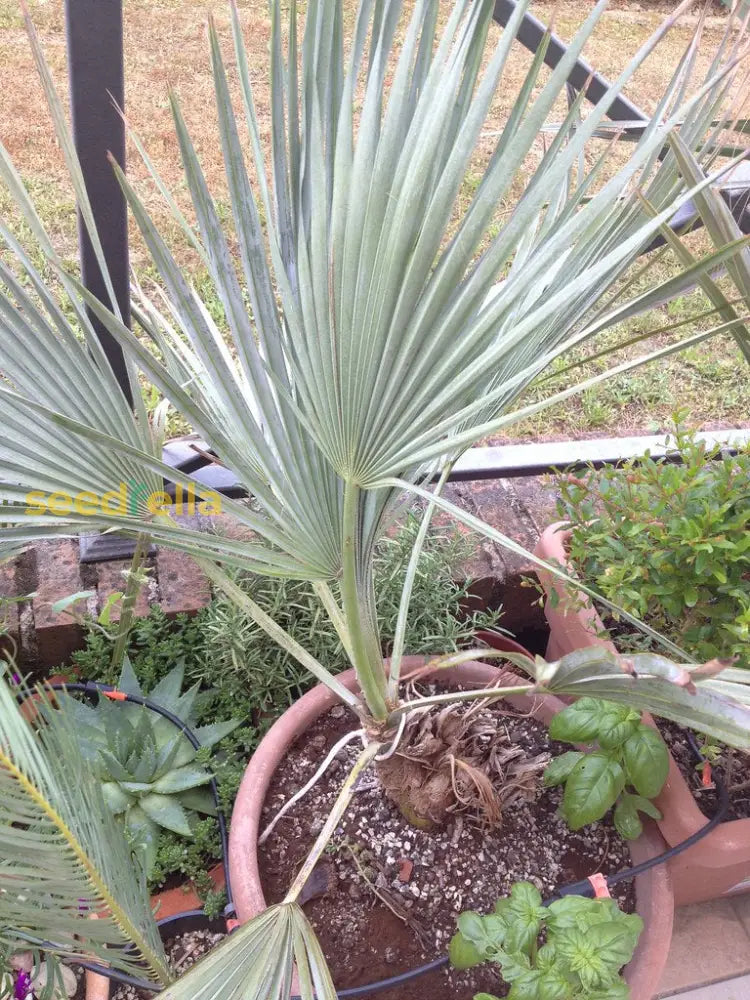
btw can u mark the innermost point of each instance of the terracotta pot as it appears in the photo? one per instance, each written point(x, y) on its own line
point(718, 865)
point(653, 888)
point(29, 708)
point(97, 987)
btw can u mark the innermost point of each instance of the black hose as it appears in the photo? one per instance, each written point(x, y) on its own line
point(583, 888)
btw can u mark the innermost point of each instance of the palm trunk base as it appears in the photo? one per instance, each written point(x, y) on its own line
point(458, 759)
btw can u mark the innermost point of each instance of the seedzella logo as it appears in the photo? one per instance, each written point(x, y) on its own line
point(129, 499)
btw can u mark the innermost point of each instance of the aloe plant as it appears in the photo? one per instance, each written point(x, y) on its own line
point(387, 331)
point(149, 772)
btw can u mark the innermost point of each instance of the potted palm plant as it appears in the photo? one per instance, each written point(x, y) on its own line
point(378, 344)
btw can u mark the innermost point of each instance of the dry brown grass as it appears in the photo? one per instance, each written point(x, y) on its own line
point(166, 46)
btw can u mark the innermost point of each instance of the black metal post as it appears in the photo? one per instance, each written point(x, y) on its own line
point(97, 82)
point(97, 89)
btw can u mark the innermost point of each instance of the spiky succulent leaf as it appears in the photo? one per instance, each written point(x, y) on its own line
point(181, 779)
point(146, 765)
point(116, 797)
point(167, 812)
point(198, 799)
point(167, 692)
point(143, 835)
point(128, 682)
point(168, 752)
point(112, 768)
point(214, 732)
point(185, 704)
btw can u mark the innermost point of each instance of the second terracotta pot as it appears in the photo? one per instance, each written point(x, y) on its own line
point(654, 897)
point(718, 865)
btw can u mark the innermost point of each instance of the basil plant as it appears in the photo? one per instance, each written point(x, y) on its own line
point(586, 943)
point(374, 325)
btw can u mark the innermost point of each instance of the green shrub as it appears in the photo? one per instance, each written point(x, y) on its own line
point(670, 543)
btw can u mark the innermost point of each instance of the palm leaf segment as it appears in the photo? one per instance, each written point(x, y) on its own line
point(258, 961)
point(376, 343)
point(64, 858)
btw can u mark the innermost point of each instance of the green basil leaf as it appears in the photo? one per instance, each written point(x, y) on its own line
point(618, 990)
point(579, 722)
point(463, 954)
point(591, 789)
point(554, 985)
point(525, 897)
point(633, 925)
point(495, 929)
point(615, 941)
point(513, 964)
point(565, 913)
point(546, 957)
point(524, 917)
point(526, 987)
point(558, 769)
point(646, 761)
point(626, 818)
point(471, 925)
point(614, 729)
point(582, 951)
point(646, 806)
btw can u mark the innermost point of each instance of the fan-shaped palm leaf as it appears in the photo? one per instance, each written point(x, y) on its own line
point(379, 342)
point(257, 962)
point(63, 857)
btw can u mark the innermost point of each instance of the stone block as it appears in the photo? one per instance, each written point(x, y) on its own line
point(58, 575)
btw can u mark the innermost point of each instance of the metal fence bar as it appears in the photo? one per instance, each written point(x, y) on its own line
point(97, 82)
point(517, 461)
point(530, 35)
point(191, 455)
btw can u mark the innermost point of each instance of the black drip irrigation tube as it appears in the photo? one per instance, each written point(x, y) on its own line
point(583, 888)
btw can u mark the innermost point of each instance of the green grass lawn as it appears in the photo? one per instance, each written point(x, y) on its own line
point(166, 45)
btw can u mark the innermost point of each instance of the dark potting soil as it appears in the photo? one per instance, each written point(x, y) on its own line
point(388, 895)
point(733, 770)
point(183, 951)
